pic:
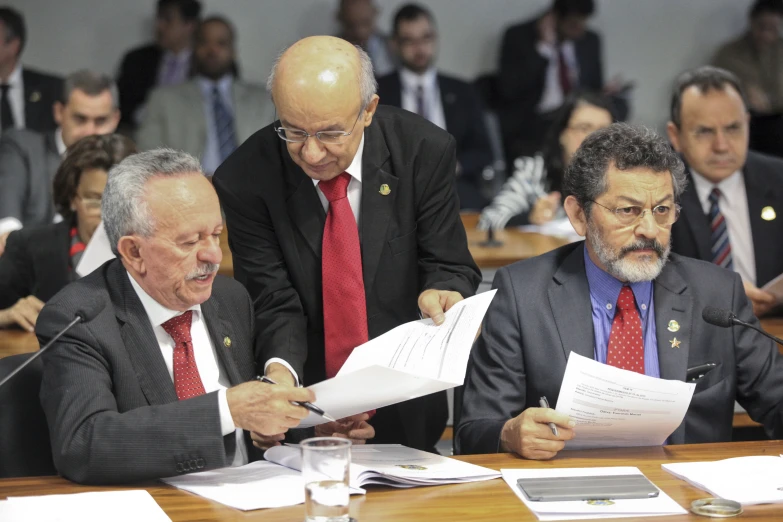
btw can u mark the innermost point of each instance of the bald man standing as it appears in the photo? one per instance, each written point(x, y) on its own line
point(344, 223)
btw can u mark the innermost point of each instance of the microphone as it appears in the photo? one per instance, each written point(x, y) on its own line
point(84, 314)
point(727, 319)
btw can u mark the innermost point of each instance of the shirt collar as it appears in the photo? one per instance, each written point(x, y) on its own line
point(355, 168)
point(181, 56)
point(58, 141)
point(223, 84)
point(605, 288)
point(704, 186)
point(410, 80)
point(16, 76)
point(157, 313)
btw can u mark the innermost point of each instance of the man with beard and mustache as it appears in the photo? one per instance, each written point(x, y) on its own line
point(448, 102)
point(161, 381)
point(210, 115)
point(622, 299)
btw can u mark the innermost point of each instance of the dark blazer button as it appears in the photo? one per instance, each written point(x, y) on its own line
point(180, 468)
point(200, 463)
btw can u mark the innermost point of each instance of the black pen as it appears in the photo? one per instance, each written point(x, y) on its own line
point(545, 404)
point(306, 405)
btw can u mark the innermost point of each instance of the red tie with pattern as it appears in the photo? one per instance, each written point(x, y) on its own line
point(345, 307)
point(626, 344)
point(187, 380)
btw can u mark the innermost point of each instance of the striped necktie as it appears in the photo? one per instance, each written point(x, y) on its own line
point(224, 125)
point(719, 239)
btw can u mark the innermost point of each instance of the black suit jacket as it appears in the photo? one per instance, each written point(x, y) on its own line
point(412, 239)
point(464, 114)
point(35, 262)
point(40, 92)
point(109, 400)
point(764, 186)
point(542, 313)
point(137, 77)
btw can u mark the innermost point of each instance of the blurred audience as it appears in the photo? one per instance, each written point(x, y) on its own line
point(357, 20)
point(729, 210)
point(448, 102)
point(164, 62)
point(40, 260)
point(210, 115)
point(26, 96)
point(533, 193)
point(29, 160)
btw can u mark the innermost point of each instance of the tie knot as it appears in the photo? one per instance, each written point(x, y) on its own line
point(715, 195)
point(335, 188)
point(626, 301)
point(179, 327)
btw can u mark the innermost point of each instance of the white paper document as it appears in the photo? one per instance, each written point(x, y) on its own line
point(616, 408)
point(410, 361)
point(117, 506)
point(747, 480)
point(775, 287)
point(661, 505)
point(560, 227)
point(97, 252)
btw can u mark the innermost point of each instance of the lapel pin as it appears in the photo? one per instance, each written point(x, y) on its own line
point(384, 190)
point(227, 342)
point(768, 214)
point(675, 343)
point(674, 326)
point(35, 96)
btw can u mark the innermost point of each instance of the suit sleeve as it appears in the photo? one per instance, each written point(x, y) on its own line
point(495, 380)
point(475, 152)
point(445, 262)
point(522, 69)
point(92, 442)
point(14, 176)
point(15, 272)
point(152, 132)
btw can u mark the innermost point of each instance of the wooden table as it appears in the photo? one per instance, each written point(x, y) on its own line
point(492, 500)
point(15, 341)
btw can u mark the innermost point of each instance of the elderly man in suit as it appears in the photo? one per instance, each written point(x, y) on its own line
point(343, 223)
point(448, 102)
point(29, 160)
point(162, 380)
point(729, 211)
point(214, 112)
point(595, 297)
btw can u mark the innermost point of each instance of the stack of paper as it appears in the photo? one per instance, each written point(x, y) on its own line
point(747, 480)
point(560, 227)
point(593, 509)
point(117, 506)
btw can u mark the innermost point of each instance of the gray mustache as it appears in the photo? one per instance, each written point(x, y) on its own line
point(205, 269)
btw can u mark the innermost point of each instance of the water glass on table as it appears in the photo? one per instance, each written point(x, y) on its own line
point(325, 465)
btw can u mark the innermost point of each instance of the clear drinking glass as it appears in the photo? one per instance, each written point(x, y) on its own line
point(325, 465)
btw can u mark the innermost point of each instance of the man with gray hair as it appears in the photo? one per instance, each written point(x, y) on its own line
point(29, 160)
point(622, 299)
point(344, 223)
point(161, 380)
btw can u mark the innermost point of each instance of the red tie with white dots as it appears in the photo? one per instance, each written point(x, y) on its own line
point(187, 381)
point(626, 344)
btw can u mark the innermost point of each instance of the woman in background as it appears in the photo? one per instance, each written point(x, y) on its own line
point(532, 194)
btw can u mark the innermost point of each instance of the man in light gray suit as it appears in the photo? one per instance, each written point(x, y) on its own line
point(210, 115)
point(621, 299)
point(162, 380)
point(28, 160)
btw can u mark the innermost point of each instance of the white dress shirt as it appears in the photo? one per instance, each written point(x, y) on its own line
point(16, 96)
point(553, 95)
point(354, 187)
point(733, 203)
point(433, 105)
point(213, 377)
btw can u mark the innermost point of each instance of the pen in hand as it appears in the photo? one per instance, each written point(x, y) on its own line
point(306, 405)
point(545, 404)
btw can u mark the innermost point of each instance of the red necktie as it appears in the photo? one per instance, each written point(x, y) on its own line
point(187, 380)
point(345, 307)
point(626, 344)
point(563, 73)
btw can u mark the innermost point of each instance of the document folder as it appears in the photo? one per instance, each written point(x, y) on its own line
point(607, 487)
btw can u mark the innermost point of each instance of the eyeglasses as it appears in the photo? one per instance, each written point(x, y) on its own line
point(326, 137)
point(665, 216)
point(90, 203)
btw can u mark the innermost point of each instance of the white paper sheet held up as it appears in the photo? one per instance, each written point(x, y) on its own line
point(410, 361)
point(578, 509)
point(120, 506)
point(97, 252)
point(560, 227)
point(775, 287)
point(616, 408)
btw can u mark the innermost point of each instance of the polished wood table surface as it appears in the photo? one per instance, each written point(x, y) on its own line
point(492, 500)
point(14, 341)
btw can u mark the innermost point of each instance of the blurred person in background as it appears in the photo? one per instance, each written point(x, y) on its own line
point(357, 19)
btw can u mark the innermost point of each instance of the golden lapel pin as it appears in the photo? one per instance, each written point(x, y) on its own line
point(675, 343)
point(227, 342)
point(673, 326)
point(768, 214)
point(384, 190)
point(35, 96)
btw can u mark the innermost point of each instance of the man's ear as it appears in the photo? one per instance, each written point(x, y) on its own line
point(674, 135)
point(576, 215)
point(129, 249)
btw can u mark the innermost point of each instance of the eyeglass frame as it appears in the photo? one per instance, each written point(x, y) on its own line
point(342, 134)
point(90, 203)
point(677, 210)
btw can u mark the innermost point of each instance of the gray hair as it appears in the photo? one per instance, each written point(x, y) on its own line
point(123, 208)
point(706, 79)
point(367, 84)
point(626, 147)
point(92, 84)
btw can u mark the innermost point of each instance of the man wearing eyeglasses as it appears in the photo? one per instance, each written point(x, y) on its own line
point(343, 223)
point(622, 299)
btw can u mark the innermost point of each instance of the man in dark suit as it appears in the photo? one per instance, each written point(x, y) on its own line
point(26, 96)
point(729, 211)
point(343, 223)
point(607, 297)
point(165, 62)
point(162, 380)
point(449, 103)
